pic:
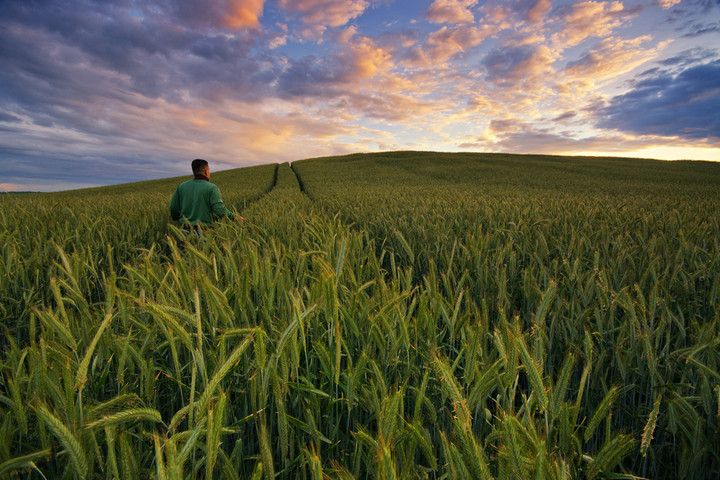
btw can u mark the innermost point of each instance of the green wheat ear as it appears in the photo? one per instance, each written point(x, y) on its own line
point(610, 455)
point(533, 373)
point(81, 377)
point(601, 412)
point(24, 462)
point(67, 439)
point(647, 434)
point(561, 385)
point(126, 416)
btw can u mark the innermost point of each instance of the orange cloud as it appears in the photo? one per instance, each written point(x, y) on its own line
point(384, 105)
point(363, 59)
point(588, 19)
point(451, 11)
point(369, 59)
point(243, 13)
point(612, 57)
point(445, 43)
point(528, 137)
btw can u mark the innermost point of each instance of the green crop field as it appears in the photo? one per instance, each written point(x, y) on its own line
point(407, 315)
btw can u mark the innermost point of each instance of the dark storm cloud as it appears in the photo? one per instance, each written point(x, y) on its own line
point(691, 17)
point(146, 52)
point(80, 77)
point(703, 29)
point(685, 105)
point(9, 118)
point(688, 58)
point(692, 8)
point(77, 171)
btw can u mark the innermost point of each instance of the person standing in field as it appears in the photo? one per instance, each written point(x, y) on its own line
point(198, 202)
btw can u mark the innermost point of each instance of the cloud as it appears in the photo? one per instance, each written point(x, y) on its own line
point(702, 29)
point(519, 136)
point(38, 185)
point(388, 106)
point(442, 45)
point(611, 57)
point(451, 11)
point(565, 116)
point(196, 14)
point(508, 65)
point(325, 13)
point(537, 12)
point(685, 105)
point(12, 187)
point(337, 74)
point(159, 140)
point(121, 57)
point(9, 118)
point(580, 21)
point(357, 82)
point(530, 11)
point(243, 13)
point(364, 59)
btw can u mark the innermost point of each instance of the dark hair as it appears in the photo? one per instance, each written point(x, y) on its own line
point(198, 165)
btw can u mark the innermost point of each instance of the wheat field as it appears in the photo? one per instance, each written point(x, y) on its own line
point(409, 315)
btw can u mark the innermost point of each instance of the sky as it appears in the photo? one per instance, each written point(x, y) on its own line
point(100, 92)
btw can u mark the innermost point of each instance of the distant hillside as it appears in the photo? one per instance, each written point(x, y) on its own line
point(522, 168)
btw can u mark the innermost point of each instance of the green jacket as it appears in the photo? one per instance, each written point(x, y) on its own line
point(198, 202)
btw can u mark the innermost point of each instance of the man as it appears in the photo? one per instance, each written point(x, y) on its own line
point(197, 202)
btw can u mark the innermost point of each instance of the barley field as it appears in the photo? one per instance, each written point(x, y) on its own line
point(409, 315)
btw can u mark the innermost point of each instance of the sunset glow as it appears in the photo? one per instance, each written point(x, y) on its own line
point(97, 93)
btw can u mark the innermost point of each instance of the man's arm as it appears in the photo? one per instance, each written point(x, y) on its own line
point(175, 206)
point(217, 205)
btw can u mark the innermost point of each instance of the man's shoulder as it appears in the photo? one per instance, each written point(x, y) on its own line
point(210, 186)
point(185, 184)
point(196, 184)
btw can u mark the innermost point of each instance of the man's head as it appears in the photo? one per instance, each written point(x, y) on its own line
point(200, 167)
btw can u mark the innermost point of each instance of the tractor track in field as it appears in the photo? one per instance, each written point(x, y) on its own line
point(300, 182)
point(379, 242)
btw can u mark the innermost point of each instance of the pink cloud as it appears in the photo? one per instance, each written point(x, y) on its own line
point(451, 11)
point(11, 187)
point(518, 136)
point(346, 35)
point(325, 13)
point(538, 11)
point(494, 13)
